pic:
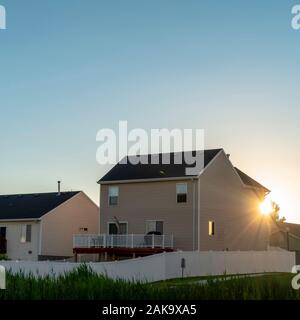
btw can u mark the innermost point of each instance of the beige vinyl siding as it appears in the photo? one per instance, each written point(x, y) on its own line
point(59, 225)
point(139, 202)
point(233, 207)
point(16, 250)
point(218, 195)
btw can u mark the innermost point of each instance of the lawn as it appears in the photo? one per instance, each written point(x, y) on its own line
point(84, 284)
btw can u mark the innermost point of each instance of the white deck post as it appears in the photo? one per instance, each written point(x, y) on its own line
point(89, 241)
point(163, 241)
point(132, 240)
point(172, 241)
point(104, 240)
point(153, 241)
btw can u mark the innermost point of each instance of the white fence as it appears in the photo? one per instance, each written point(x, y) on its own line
point(122, 241)
point(168, 265)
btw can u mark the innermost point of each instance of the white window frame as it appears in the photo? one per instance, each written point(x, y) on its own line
point(182, 183)
point(23, 238)
point(211, 228)
point(109, 188)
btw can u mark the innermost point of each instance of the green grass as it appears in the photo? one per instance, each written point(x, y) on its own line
point(197, 280)
point(84, 284)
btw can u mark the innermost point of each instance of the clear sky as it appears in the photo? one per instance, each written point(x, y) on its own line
point(70, 68)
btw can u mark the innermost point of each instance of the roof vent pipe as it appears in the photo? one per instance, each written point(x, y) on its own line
point(58, 186)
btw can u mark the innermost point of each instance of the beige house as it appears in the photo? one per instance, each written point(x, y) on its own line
point(215, 209)
point(41, 226)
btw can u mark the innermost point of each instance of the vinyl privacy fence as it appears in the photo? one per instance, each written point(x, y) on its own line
point(168, 265)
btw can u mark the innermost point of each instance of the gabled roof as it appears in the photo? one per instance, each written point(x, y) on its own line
point(31, 206)
point(128, 171)
point(248, 181)
point(292, 228)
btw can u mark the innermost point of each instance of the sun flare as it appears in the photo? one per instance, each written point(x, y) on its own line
point(266, 207)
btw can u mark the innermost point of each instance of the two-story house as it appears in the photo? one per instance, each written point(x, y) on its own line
point(215, 209)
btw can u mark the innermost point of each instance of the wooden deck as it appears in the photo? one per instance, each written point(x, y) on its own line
point(121, 245)
point(119, 252)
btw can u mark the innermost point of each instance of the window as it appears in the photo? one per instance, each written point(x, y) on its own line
point(120, 228)
point(113, 194)
point(211, 228)
point(83, 229)
point(181, 192)
point(2, 233)
point(155, 226)
point(26, 233)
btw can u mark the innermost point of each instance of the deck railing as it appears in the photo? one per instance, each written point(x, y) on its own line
point(122, 241)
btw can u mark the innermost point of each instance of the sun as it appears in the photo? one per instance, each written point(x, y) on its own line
point(266, 207)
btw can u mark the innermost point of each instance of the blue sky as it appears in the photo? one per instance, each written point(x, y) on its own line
point(70, 68)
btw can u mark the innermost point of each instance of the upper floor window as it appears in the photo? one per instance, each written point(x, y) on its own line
point(113, 194)
point(181, 192)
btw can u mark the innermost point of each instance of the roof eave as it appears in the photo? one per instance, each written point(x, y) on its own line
point(266, 190)
point(20, 220)
point(148, 180)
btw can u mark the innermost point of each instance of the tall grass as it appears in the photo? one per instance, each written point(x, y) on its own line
point(84, 284)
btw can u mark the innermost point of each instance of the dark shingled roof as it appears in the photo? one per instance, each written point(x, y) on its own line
point(155, 171)
point(292, 228)
point(31, 206)
point(249, 181)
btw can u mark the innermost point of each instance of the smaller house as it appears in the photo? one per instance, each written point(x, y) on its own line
point(41, 226)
